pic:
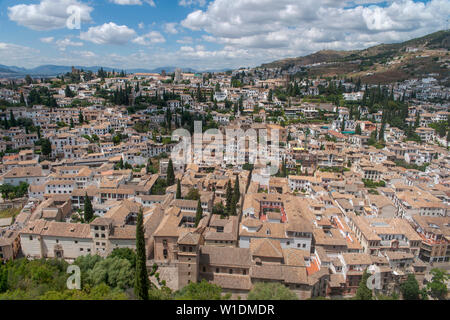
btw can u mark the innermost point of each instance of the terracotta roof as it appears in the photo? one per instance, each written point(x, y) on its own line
point(266, 248)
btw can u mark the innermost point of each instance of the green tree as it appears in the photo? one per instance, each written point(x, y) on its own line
point(46, 147)
point(125, 253)
point(69, 93)
point(200, 291)
point(229, 198)
point(271, 291)
point(3, 278)
point(219, 209)
point(236, 191)
point(363, 292)
point(358, 130)
point(80, 118)
point(141, 284)
point(417, 122)
point(28, 79)
point(88, 210)
point(71, 123)
point(199, 213)
point(178, 195)
point(114, 271)
point(12, 120)
point(410, 288)
point(193, 194)
point(438, 287)
point(170, 174)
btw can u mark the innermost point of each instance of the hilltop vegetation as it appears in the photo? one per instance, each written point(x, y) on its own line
point(384, 63)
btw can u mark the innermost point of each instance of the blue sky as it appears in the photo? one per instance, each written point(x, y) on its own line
point(203, 34)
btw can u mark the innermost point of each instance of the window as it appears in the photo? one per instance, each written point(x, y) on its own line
point(217, 270)
point(76, 241)
point(57, 241)
point(190, 249)
point(103, 228)
point(103, 235)
point(204, 269)
point(31, 237)
point(231, 271)
point(81, 249)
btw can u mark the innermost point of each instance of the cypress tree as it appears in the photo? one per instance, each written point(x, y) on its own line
point(71, 123)
point(363, 292)
point(178, 196)
point(237, 191)
point(170, 174)
point(381, 134)
point(229, 198)
point(5, 123)
point(3, 278)
point(358, 129)
point(88, 210)
point(80, 118)
point(199, 213)
point(12, 119)
point(141, 284)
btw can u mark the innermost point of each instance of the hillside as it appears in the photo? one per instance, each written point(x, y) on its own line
point(383, 63)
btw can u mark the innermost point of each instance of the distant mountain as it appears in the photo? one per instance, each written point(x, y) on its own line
point(6, 70)
point(383, 63)
point(54, 70)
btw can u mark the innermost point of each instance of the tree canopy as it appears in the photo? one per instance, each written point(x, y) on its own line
point(271, 291)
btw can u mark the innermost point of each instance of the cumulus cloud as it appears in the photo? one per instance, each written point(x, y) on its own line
point(47, 40)
point(189, 3)
point(171, 28)
point(133, 2)
point(66, 42)
point(108, 33)
point(150, 38)
point(48, 14)
point(13, 54)
point(185, 40)
point(284, 28)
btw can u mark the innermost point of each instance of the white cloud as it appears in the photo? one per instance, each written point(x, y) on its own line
point(108, 33)
point(47, 40)
point(171, 28)
point(290, 28)
point(85, 54)
point(188, 3)
point(66, 42)
point(13, 54)
point(48, 14)
point(150, 38)
point(185, 40)
point(141, 25)
point(133, 2)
